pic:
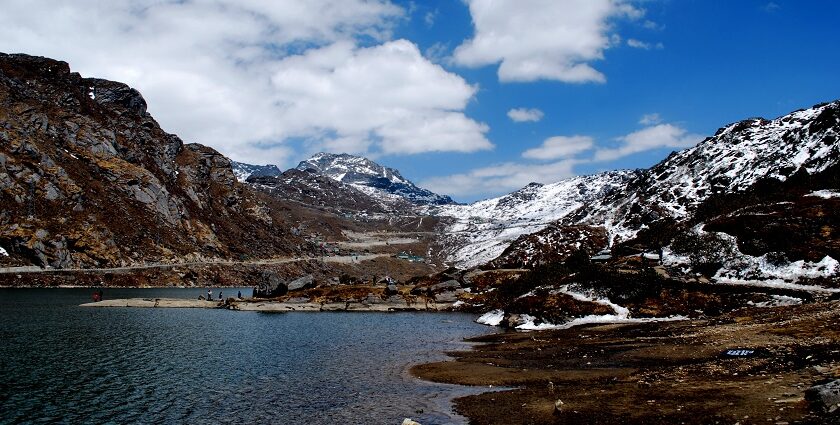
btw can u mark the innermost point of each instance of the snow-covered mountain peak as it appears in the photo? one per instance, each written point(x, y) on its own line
point(242, 171)
point(482, 230)
point(370, 177)
point(349, 169)
point(623, 203)
point(737, 157)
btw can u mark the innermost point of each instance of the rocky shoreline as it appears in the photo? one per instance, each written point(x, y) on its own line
point(271, 306)
point(773, 365)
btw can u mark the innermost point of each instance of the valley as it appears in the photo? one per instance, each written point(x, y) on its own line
point(647, 274)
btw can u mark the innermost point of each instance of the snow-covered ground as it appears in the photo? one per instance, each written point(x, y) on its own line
point(825, 194)
point(531, 323)
point(484, 229)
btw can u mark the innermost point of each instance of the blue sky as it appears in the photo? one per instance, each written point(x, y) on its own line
point(427, 87)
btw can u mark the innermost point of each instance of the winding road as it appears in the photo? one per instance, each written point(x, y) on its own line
point(343, 259)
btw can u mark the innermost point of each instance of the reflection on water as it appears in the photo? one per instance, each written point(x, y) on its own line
point(63, 363)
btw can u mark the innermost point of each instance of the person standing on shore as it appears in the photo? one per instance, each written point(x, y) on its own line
point(209, 295)
point(220, 295)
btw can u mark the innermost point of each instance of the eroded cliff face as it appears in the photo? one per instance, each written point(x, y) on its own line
point(88, 178)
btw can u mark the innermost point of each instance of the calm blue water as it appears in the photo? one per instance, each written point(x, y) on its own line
point(60, 363)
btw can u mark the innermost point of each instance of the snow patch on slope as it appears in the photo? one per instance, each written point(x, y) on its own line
point(482, 230)
point(825, 194)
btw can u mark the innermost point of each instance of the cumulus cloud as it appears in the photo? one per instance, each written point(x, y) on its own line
point(222, 72)
point(566, 152)
point(655, 137)
point(499, 178)
point(388, 94)
point(560, 147)
point(525, 114)
point(549, 39)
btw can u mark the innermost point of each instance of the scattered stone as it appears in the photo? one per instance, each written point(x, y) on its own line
point(825, 397)
point(391, 290)
point(408, 421)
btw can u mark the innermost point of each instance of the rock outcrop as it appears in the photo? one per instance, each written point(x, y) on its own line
point(88, 178)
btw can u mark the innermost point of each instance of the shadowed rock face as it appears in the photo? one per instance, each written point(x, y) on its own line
point(88, 178)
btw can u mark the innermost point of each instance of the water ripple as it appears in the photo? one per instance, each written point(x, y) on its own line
point(65, 364)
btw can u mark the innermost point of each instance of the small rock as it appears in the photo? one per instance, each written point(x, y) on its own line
point(446, 297)
point(395, 299)
point(449, 285)
point(558, 407)
point(372, 299)
point(825, 397)
point(408, 421)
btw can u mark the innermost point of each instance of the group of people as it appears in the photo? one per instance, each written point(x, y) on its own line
point(210, 295)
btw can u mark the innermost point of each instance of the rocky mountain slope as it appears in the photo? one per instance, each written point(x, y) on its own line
point(317, 190)
point(88, 178)
point(242, 170)
point(644, 203)
point(481, 231)
point(747, 217)
point(380, 182)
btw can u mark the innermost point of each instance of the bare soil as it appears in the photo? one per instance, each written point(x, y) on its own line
point(654, 373)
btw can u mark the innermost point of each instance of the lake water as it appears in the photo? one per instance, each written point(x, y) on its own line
point(60, 363)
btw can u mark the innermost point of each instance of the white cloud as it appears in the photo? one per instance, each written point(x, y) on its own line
point(548, 39)
point(438, 53)
point(638, 44)
point(500, 178)
point(771, 7)
point(658, 136)
point(566, 152)
point(650, 119)
point(651, 25)
point(388, 94)
point(560, 147)
point(221, 72)
point(430, 17)
point(525, 114)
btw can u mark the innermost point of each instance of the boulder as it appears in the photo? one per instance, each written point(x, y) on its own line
point(395, 299)
point(446, 297)
point(408, 421)
point(825, 397)
point(391, 290)
point(449, 285)
point(302, 283)
point(372, 299)
point(271, 285)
